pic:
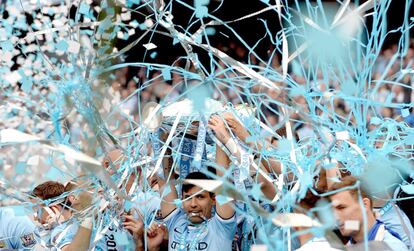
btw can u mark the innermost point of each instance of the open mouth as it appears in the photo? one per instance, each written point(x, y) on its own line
point(195, 214)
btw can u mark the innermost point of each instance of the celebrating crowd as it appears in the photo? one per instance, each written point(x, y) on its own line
point(135, 87)
point(236, 152)
point(188, 213)
point(205, 205)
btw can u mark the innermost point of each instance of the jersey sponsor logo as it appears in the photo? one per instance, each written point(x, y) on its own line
point(200, 246)
point(177, 231)
point(28, 240)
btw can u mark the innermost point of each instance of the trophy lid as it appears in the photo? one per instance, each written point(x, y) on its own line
point(151, 117)
point(187, 109)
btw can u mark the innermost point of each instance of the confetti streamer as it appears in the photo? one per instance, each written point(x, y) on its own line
point(326, 94)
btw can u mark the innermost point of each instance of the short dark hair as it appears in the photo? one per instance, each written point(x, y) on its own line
point(320, 186)
point(48, 190)
point(194, 176)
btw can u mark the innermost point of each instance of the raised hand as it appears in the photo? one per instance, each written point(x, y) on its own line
point(216, 123)
point(135, 227)
point(237, 128)
point(156, 234)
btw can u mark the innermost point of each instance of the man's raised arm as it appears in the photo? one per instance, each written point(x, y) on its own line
point(224, 210)
point(168, 192)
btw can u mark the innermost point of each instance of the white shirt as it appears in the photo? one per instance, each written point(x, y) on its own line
point(317, 244)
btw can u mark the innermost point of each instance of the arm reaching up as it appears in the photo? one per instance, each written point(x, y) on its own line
point(80, 202)
point(225, 210)
point(241, 132)
point(223, 135)
point(136, 229)
point(167, 199)
point(156, 236)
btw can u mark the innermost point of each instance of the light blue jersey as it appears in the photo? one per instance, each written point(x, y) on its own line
point(379, 232)
point(396, 220)
point(116, 237)
point(112, 237)
point(16, 232)
point(215, 234)
point(394, 243)
point(63, 234)
point(147, 204)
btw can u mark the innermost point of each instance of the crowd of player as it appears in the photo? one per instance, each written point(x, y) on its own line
point(169, 212)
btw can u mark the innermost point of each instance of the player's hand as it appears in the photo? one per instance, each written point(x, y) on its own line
point(216, 123)
point(156, 234)
point(237, 128)
point(134, 226)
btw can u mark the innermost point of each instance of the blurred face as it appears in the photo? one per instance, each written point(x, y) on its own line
point(43, 214)
point(348, 210)
point(113, 161)
point(82, 197)
point(131, 85)
point(197, 204)
point(124, 93)
point(272, 120)
point(386, 112)
point(145, 95)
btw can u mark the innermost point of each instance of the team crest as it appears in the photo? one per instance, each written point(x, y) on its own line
point(2, 244)
point(28, 240)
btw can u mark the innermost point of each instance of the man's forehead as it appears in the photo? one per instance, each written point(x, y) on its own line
point(335, 202)
point(36, 200)
point(341, 197)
